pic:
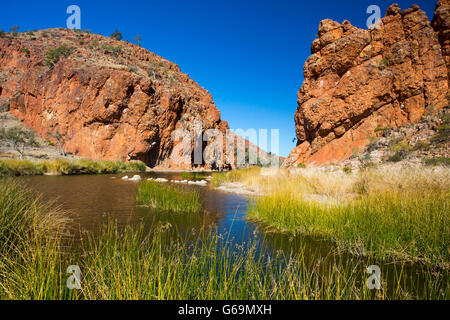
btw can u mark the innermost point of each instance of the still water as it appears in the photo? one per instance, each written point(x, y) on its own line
point(95, 200)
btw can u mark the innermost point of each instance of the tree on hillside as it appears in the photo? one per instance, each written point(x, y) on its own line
point(138, 40)
point(14, 30)
point(61, 140)
point(20, 139)
point(116, 35)
point(53, 56)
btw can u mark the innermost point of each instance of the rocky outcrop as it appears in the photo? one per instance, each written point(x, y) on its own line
point(107, 99)
point(357, 80)
point(441, 25)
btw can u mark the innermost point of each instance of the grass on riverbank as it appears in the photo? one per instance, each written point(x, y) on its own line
point(387, 212)
point(169, 198)
point(67, 167)
point(135, 264)
point(193, 176)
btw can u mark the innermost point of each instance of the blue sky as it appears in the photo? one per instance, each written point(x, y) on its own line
point(248, 54)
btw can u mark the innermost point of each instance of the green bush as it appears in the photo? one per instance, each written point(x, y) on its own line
point(116, 35)
point(443, 132)
point(347, 170)
point(440, 161)
point(301, 166)
point(111, 49)
point(421, 145)
point(26, 51)
point(53, 56)
point(14, 30)
point(401, 151)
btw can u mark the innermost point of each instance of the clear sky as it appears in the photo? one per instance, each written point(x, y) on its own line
point(249, 54)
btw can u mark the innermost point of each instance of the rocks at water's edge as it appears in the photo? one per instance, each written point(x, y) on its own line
point(134, 178)
point(359, 80)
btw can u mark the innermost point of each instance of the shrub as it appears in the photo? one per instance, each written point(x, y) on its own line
point(111, 49)
point(20, 139)
point(93, 44)
point(116, 35)
point(14, 30)
point(401, 151)
point(26, 51)
point(301, 165)
point(440, 161)
point(422, 145)
point(53, 56)
point(2, 33)
point(347, 170)
point(30, 33)
point(443, 131)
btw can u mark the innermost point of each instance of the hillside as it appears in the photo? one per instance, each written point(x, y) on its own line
point(107, 99)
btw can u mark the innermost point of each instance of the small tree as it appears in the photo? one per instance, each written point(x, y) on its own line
point(138, 40)
point(2, 33)
point(116, 35)
point(20, 138)
point(53, 56)
point(61, 140)
point(14, 30)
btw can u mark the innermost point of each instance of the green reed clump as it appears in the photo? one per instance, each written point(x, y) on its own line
point(411, 226)
point(67, 167)
point(166, 197)
point(193, 176)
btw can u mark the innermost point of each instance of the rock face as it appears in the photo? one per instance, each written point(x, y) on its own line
point(107, 99)
point(357, 80)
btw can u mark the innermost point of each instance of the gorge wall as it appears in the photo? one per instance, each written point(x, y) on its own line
point(359, 80)
point(107, 99)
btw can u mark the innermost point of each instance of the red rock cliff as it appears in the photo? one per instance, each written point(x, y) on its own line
point(357, 80)
point(108, 99)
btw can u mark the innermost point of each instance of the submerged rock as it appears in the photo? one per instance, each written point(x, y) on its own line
point(135, 178)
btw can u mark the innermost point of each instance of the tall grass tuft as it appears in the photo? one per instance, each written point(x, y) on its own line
point(30, 253)
point(193, 176)
point(169, 198)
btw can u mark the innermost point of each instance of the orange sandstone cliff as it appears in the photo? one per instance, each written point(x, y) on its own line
point(357, 80)
point(107, 99)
